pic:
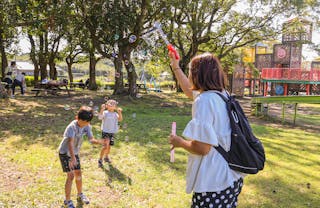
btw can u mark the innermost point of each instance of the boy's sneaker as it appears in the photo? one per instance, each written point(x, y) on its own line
point(100, 164)
point(107, 159)
point(82, 198)
point(68, 204)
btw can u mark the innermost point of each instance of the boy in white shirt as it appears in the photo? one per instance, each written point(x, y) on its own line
point(109, 127)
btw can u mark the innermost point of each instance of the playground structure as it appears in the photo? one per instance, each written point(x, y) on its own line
point(279, 72)
point(292, 81)
point(151, 86)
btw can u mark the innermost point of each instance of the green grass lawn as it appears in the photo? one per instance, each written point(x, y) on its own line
point(140, 174)
point(308, 115)
point(313, 115)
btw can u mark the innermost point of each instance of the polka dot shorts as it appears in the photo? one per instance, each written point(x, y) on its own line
point(221, 199)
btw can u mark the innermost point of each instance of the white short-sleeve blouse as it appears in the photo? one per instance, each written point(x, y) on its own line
point(210, 124)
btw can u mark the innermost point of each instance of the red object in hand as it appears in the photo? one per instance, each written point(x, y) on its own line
point(172, 49)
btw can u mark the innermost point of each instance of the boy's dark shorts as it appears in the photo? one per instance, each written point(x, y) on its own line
point(65, 159)
point(110, 136)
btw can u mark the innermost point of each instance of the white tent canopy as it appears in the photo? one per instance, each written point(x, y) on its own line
point(28, 68)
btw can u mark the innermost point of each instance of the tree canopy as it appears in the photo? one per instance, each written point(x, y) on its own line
point(115, 30)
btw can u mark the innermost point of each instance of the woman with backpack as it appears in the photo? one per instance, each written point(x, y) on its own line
point(209, 176)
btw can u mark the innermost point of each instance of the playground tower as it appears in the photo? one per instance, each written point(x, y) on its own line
point(281, 72)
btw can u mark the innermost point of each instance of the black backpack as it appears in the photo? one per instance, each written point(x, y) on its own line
point(246, 152)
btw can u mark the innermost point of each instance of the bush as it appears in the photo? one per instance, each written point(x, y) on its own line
point(109, 85)
point(167, 84)
point(29, 81)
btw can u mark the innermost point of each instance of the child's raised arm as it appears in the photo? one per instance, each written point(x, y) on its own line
point(100, 115)
point(119, 110)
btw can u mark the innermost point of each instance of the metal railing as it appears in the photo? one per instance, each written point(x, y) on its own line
point(312, 75)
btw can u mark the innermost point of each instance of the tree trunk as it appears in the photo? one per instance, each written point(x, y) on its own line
point(53, 71)
point(4, 60)
point(125, 54)
point(70, 71)
point(42, 58)
point(43, 68)
point(132, 79)
point(52, 67)
point(92, 72)
point(132, 75)
point(52, 55)
point(118, 86)
point(34, 59)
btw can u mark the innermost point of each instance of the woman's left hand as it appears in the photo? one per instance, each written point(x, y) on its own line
point(175, 140)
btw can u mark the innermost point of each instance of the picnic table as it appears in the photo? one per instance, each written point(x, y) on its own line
point(77, 84)
point(52, 87)
point(139, 86)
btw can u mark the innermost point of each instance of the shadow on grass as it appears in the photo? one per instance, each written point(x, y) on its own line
point(79, 204)
point(275, 192)
point(114, 173)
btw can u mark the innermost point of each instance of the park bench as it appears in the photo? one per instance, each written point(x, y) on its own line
point(77, 84)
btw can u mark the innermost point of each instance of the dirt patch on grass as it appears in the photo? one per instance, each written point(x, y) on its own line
point(11, 177)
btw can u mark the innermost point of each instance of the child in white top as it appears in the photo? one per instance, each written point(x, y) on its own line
point(109, 127)
point(209, 177)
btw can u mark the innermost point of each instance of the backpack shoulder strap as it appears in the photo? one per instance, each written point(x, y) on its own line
point(219, 148)
point(223, 97)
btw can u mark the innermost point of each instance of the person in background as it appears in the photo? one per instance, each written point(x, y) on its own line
point(19, 81)
point(209, 176)
point(86, 84)
point(24, 83)
point(12, 68)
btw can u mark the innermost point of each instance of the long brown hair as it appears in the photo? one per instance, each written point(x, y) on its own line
point(206, 73)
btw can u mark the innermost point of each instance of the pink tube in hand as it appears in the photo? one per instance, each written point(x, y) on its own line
point(173, 132)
